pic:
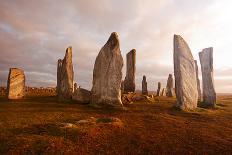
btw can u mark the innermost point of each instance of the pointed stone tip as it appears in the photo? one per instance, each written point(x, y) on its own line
point(177, 37)
point(68, 51)
point(115, 34)
point(113, 41)
point(114, 37)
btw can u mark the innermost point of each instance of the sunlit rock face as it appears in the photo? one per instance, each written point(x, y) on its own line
point(170, 86)
point(144, 86)
point(163, 93)
point(206, 59)
point(107, 75)
point(185, 75)
point(16, 84)
point(129, 82)
point(65, 76)
point(158, 92)
point(198, 81)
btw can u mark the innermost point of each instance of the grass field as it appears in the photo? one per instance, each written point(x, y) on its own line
point(41, 125)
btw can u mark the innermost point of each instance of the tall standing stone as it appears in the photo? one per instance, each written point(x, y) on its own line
point(129, 82)
point(170, 86)
point(144, 86)
point(107, 74)
point(198, 81)
point(158, 92)
point(16, 84)
point(206, 59)
point(65, 76)
point(185, 75)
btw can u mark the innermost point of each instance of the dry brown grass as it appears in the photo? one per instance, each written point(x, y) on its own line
point(33, 126)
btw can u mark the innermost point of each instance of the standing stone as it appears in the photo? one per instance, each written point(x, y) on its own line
point(107, 74)
point(144, 86)
point(16, 84)
point(129, 82)
point(206, 59)
point(170, 86)
point(65, 76)
point(163, 93)
point(59, 69)
point(185, 75)
point(198, 81)
point(158, 92)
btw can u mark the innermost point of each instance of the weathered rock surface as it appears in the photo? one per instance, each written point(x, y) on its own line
point(16, 84)
point(129, 82)
point(81, 95)
point(144, 86)
point(198, 81)
point(185, 75)
point(206, 59)
point(65, 76)
point(122, 87)
point(158, 92)
point(170, 86)
point(107, 74)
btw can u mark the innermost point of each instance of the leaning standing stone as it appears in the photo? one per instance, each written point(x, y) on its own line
point(16, 84)
point(107, 74)
point(185, 75)
point(206, 59)
point(129, 82)
point(144, 86)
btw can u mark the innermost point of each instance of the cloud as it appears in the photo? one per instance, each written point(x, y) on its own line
point(35, 34)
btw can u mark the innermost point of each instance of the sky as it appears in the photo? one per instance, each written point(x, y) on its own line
point(35, 34)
